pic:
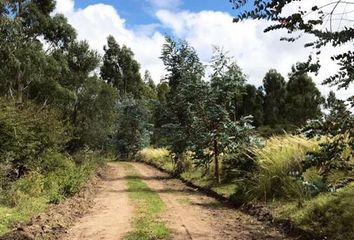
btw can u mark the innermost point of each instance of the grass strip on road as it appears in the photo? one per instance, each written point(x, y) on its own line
point(148, 207)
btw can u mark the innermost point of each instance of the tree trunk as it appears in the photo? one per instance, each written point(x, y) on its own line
point(19, 89)
point(216, 160)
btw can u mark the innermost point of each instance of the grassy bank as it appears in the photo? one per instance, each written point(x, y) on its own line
point(37, 190)
point(148, 207)
point(277, 180)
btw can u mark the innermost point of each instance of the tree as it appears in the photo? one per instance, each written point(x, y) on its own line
point(303, 99)
point(214, 130)
point(274, 99)
point(132, 127)
point(183, 70)
point(97, 114)
point(336, 107)
point(252, 104)
point(120, 69)
point(161, 116)
point(23, 25)
point(149, 90)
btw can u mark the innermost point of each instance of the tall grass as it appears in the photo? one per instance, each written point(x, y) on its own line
point(279, 161)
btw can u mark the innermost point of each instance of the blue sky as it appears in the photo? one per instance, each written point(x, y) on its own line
point(138, 12)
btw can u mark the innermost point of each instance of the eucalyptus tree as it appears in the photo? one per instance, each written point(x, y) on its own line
point(183, 70)
point(214, 130)
point(24, 27)
point(120, 69)
point(132, 133)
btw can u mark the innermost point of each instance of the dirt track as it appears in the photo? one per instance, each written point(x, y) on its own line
point(189, 214)
point(103, 212)
point(110, 215)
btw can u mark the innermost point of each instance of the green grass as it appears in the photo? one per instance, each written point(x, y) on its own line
point(23, 212)
point(329, 214)
point(148, 206)
point(35, 192)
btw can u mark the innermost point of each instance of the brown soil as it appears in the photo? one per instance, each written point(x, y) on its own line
point(110, 216)
point(192, 215)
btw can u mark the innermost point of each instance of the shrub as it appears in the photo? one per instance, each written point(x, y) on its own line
point(26, 132)
point(32, 185)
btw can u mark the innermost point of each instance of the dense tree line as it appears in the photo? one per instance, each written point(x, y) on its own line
point(57, 94)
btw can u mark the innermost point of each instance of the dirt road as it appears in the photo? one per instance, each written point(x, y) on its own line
point(110, 216)
point(189, 214)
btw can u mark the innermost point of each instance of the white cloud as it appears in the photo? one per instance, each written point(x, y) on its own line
point(164, 4)
point(64, 6)
point(255, 51)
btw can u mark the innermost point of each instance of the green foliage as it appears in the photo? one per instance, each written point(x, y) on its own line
point(31, 186)
point(57, 177)
point(337, 151)
point(184, 73)
point(26, 132)
point(252, 104)
point(214, 129)
point(132, 132)
point(23, 61)
point(97, 114)
point(303, 99)
point(274, 99)
point(329, 214)
point(120, 69)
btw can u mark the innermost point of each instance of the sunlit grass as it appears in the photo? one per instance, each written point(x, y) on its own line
point(22, 212)
point(158, 156)
point(197, 175)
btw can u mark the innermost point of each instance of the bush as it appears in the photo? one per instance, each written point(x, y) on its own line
point(26, 132)
point(30, 186)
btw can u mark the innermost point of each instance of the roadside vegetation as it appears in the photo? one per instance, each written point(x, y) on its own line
point(65, 110)
point(278, 182)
